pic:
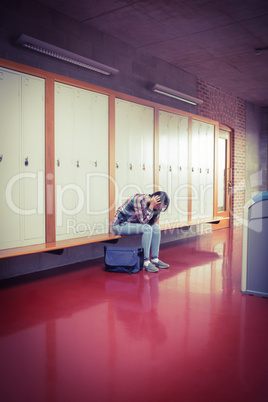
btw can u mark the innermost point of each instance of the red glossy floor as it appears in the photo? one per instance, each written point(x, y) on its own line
point(184, 334)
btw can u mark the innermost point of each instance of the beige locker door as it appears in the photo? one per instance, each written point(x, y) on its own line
point(134, 149)
point(98, 177)
point(134, 185)
point(10, 117)
point(66, 188)
point(181, 196)
point(173, 160)
point(203, 163)
point(164, 176)
point(196, 150)
point(202, 168)
point(33, 166)
point(122, 152)
point(209, 171)
point(147, 151)
point(81, 137)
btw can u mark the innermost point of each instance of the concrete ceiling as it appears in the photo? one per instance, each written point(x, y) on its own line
point(214, 40)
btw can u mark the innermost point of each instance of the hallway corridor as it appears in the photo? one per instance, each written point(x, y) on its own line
point(184, 334)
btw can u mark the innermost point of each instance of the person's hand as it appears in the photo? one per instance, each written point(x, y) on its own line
point(155, 200)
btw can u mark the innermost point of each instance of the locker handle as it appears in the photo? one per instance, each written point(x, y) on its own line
point(192, 169)
point(1, 158)
point(170, 168)
point(58, 162)
point(144, 166)
point(117, 165)
point(26, 162)
point(96, 163)
point(131, 166)
point(200, 170)
point(160, 167)
point(78, 164)
point(230, 188)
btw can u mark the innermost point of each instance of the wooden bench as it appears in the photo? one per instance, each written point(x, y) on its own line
point(58, 246)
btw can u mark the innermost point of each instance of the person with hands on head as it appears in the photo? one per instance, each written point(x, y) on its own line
point(139, 215)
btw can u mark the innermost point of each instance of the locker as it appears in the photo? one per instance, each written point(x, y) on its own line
point(202, 169)
point(196, 149)
point(173, 165)
point(81, 159)
point(122, 167)
point(21, 159)
point(64, 145)
point(134, 134)
point(183, 167)
point(97, 185)
point(146, 162)
point(209, 172)
point(33, 191)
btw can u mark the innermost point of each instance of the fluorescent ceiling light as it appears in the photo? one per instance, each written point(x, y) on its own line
point(160, 89)
point(65, 55)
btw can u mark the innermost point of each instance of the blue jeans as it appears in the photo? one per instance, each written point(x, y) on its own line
point(150, 239)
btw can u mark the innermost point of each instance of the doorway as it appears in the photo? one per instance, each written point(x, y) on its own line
point(224, 176)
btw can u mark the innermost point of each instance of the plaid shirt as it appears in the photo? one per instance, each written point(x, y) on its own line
point(134, 210)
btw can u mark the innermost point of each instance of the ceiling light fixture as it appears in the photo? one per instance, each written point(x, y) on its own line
point(160, 89)
point(65, 55)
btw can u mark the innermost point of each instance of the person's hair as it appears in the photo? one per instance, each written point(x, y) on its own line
point(164, 201)
point(163, 197)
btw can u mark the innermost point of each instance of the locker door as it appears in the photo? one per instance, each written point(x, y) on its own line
point(33, 134)
point(122, 128)
point(147, 146)
point(135, 149)
point(173, 160)
point(196, 150)
point(164, 174)
point(209, 172)
point(203, 164)
point(66, 188)
point(163, 151)
point(82, 139)
point(182, 195)
point(10, 116)
point(98, 177)
point(202, 168)
point(163, 148)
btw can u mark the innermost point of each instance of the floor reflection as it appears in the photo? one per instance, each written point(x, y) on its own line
point(186, 333)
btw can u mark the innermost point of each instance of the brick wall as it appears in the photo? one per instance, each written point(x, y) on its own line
point(231, 111)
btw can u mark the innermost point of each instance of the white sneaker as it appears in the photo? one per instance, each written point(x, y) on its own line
point(160, 264)
point(150, 267)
